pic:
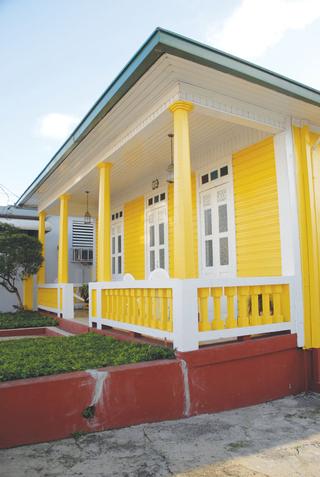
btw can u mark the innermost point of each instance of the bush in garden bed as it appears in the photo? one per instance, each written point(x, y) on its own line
point(31, 357)
point(25, 319)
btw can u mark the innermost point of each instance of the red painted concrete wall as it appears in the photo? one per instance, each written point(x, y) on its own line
point(244, 373)
point(48, 408)
point(212, 379)
point(39, 331)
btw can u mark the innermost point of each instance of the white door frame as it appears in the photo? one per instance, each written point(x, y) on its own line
point(211, 184)
point(158, 205)
point(115, 222)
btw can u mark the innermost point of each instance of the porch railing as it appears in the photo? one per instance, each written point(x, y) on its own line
point(57, 298)
point(195, 311)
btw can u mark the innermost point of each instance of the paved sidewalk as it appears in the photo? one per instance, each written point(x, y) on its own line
point(280, 438)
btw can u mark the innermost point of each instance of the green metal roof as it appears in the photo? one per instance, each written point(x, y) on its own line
point(160, 42)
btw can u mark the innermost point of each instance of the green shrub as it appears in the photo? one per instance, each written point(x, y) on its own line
point(25, 319)
point(31, 357)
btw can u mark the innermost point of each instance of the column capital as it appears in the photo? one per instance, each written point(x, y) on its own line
point(65, 197)
point(181, 105)
point(42, 213)
point(104, 165)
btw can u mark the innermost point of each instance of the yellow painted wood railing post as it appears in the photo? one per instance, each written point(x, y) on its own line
point(255, 318)
point(230, 293)
point(266, 315)
point(163, 296)
point(203, 296)
point(276, 298)
point(139, 306)
point(184, 263)
point(147, 307)
point(133, 306)
point(41, 236)
point(63, 259)
point(170, 307)
point(127, 305)
point(217, 323)
point(285, 302)
point(153, 318)
point(27, 299)
point(243, 297)
point(104, 228)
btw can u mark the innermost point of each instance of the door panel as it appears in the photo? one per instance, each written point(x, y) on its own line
point(216, 230)
point(157, 238)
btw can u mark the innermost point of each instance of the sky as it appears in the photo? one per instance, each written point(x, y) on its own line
point(58, 56)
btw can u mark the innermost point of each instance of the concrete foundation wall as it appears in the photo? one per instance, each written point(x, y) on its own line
point(208, 380)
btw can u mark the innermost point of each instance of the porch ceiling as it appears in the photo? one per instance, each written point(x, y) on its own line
point(147, 156)
point(133, 135)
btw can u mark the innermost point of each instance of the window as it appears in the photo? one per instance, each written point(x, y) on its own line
point(82, 242)
point(117, 244)
point(214, 175)
point(156, 199)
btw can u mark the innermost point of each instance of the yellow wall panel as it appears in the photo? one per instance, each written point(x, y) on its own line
point(256, 211)
point(134, 243)
point(171, 221)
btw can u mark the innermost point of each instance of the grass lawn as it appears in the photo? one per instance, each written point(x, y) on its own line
point(25, 319)
point(31, 357)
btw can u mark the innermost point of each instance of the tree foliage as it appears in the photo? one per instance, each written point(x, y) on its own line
point(20, 257)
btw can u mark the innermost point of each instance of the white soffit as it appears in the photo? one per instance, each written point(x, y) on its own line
point(127, 126)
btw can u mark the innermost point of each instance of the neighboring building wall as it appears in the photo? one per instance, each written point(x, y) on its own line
point(78, 273)
point(9, 300)
point(256, 211)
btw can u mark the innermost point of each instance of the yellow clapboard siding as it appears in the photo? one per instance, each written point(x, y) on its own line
point(134, 238)
point(171, 221)
point(256, 211)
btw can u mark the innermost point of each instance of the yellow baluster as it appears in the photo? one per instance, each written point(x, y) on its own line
point(170, 308)
point(153, 322)
point(276, 298)
point(120, 304)
point(203, 296)
point(255, 318)
point(147, 307)
point(162, 294)
point(243, 296)
point(285, 302)
point(266, 316)
point(110, 307)
point(126, 305)
point(130, 306)
point(134, 306)
point(104, 303)
point(217, 323)
point(230, 293)
point(139, 302)
point(116, 308)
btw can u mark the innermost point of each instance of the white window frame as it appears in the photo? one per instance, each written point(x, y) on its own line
point(114, 224)
point(231, 269)
point(147, 208)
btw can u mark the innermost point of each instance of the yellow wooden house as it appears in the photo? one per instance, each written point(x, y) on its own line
point(203, 173)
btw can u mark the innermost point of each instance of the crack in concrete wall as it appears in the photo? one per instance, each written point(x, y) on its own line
point(186, 387)
point(100, 377)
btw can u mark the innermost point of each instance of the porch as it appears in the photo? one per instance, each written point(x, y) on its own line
point(224, 228)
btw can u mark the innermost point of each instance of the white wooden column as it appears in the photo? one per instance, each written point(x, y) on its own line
point(289, 225)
